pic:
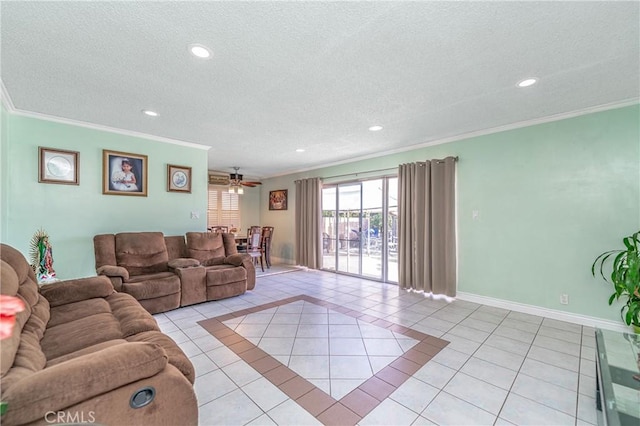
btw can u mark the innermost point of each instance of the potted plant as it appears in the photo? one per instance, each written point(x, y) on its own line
point(625, 277)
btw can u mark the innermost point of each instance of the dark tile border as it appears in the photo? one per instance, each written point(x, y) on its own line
point(354, 406)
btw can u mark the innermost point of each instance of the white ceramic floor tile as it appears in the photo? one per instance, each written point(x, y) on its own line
point(383, 347)
point(477, 392)
point(212, 385)
point(522, 411)
point(350, 367)
point(234, 408)
point(389, 412)
point(310, 367)
point(289, 413)
point(446, 409)
point(551, 374)
point(499, 357)
point(451, 358)
point(264, 393)
point(414, 394)
point(202, 364)
point(552, 396)
point(341, 387)
point(310, 346)
point(222, 356)
point(277, 345)
point(558, 359)
point(490, 373)
point(241, 373)
point(344, 346)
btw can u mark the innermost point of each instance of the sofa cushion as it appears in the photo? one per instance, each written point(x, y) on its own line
point(152, 286)
point(71, 336)
point(84, 351)
point(70, 312)
point(225, 274)
point(141, 252)
point(205, 246)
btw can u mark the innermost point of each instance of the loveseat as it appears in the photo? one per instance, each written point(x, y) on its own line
point(80, 352)
point(167, 272)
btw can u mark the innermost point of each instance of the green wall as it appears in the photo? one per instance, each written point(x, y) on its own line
point(72, 214)
point(550, 197)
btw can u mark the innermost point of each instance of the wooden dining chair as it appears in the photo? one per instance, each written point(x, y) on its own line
point(219, 228)
point(254, 244)
point(267, 235)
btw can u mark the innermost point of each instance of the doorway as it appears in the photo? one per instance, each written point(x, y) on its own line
point(359, 223)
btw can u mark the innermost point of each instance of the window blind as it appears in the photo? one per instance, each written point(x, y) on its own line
point(223, 208)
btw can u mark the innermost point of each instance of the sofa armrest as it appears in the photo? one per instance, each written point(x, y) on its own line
point(113, 271)
point(235, 259)
point(247, 263)
point(71, 382)
point(70, 291)
point(183, 262)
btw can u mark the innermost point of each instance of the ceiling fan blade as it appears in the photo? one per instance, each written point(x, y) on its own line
point(249, 183)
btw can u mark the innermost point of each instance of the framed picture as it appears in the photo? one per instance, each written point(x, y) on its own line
point(178, 178)
point(58, 166)
point(278, 199)
point(124, 173)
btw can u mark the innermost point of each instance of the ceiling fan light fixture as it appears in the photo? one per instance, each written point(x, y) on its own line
point(375, 128)
point(528, 82)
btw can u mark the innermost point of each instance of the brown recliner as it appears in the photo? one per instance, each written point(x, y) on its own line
point(140, 264)
point(228, 273)
point(82, 353)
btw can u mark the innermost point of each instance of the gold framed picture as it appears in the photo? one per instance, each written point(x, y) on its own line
point(178, 178)
point(58, 166)
point(124, 173)
point(278, 199)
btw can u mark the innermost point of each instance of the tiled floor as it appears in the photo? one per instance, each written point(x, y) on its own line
point(310, 347)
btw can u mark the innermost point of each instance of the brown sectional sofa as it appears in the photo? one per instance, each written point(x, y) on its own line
point(82, 352)
point(167, 272)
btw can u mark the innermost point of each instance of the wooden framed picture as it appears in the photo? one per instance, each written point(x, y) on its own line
point(178, 178)
point(124, 173)
point(278, 199)
point(58, 166)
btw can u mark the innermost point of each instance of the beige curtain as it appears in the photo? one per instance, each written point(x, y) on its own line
point(426, 222)
point(309, 223)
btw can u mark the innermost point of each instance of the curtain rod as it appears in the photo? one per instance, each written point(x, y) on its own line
point(371, 171)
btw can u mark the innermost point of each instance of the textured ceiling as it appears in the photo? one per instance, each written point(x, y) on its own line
point(315, 75)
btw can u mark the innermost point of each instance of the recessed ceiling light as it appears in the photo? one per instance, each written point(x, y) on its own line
point(199, 51)
point(375, 128)
point(528, 82)
point(299, 150)
point(149, 113)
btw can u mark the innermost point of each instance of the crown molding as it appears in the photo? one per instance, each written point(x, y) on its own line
point(545, 312)
point(477, 133)
point(6, 99)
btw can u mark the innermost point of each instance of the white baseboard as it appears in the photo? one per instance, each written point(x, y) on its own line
point(545, 312)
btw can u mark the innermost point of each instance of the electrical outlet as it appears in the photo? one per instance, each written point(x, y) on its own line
point(564, 299)
point(195, 215)
point(475, 215)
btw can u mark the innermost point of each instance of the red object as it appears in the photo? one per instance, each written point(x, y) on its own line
point(9, 307)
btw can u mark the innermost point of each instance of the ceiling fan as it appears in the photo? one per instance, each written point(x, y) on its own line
point(236, 183)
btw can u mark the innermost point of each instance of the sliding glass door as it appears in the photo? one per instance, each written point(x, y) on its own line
point(359, 224)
